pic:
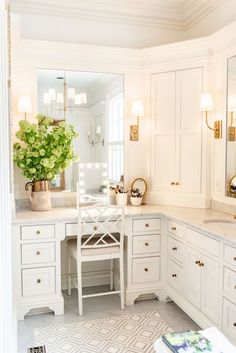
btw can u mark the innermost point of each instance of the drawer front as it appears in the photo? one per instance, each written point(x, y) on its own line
point(230, 255)
point(71, 229)
point(37, 253)
point(146, 270)
point(230, 283)
point(148, 225)
point(175, 228)
point(203, 242)
point(37, 232)
point(174, 275)
point(175, 248)
point(146, 244)
point(38, 281)
point(229, 319)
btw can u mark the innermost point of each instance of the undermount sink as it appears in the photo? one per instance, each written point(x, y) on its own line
point(223, 225)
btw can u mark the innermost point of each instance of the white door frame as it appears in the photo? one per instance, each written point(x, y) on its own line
point(8, 336)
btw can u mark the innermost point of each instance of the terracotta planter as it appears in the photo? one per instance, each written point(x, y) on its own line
point(39, 195)
point(136, 201)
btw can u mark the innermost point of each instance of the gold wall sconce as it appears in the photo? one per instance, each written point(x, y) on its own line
point(231, 111)
point(137, 111)
point(207, 106)
point(24, 105)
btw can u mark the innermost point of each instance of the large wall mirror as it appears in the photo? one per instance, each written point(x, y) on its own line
point(231, 129)
point(93, 104)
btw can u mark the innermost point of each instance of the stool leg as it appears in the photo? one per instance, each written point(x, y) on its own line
point(122, 284)
point(69, 275)
point(111, 275)
point(80, 299)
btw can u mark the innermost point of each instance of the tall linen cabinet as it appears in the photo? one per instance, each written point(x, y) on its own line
point(176, 136)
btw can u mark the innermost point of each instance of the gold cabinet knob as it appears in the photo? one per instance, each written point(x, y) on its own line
point(235, 258)
point(37, 252)
point(146, 244)
point(174, 248)
point(201, 264)
point(235, 286)
point(172, 183)
point(146, 269)
point(174, 275)
point(146, 225)
point(95, 228)
point(38, 232)
point(173, 228)
point(38, 280)
point(234, 323)
point(197, 262)
point(177, 183)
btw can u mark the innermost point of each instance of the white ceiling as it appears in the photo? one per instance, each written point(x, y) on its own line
point(171, 14)
point(121, 23)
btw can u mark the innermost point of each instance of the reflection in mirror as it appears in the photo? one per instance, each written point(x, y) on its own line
point(93, 183)
point(93, 104)
point(231, 129)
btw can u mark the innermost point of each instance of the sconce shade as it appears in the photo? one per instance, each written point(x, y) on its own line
point(98, 130)
point(232, 102)
point(137, 108)
point(24, 104)
point(206, 102)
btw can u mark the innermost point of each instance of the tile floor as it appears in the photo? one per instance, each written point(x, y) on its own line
point(99, 307)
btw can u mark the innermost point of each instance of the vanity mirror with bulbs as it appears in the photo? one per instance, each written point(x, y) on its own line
point(93, 104)
point(231, 129)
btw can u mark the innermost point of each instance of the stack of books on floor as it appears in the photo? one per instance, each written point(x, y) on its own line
point(210, 340)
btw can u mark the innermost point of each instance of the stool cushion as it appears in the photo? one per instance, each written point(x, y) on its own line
point(86, 251)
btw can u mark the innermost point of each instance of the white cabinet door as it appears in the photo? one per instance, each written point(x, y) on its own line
point(188, 130)
point(163, 130)
point(192, 277)
point(210, 288)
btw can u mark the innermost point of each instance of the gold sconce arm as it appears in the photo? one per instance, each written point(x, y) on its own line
point(207, 122)
point(217, 127)
point(231, 118)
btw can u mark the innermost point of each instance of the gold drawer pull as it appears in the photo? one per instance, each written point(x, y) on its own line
point(235, 258)
point(201, 264)
point(172, 183)
point(146, 244)
point(177, 183)
point(234, 323)
point(38, 280)
point(235, 286)
point(95, 228)
point(174, 248)
point(174, 275)
point(146, 225)
point(38, 232)
point(37, 252)
point(197, 262)
point(173, 228)
point(146, 269)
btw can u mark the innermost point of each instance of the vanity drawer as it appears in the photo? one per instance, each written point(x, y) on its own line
point(37, 253)
point(175, 228)
point(230, 255)
point(38, 232)
point(229, 319)
point(174, 275)
point(146, 244)
point(38, 281)
point(146, 225)
point(175, 249)
point(230, 283)
point(146, 269)
point(203, 242)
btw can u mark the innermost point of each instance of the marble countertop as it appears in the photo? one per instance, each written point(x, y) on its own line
point(193, 217)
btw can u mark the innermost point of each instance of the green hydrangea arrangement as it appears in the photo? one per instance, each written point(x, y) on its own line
point(44, 150)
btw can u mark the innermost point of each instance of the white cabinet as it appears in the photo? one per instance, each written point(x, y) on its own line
point(202, 283)
point(176, 146)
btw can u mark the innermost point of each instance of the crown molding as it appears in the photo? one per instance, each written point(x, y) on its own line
point(168, 14)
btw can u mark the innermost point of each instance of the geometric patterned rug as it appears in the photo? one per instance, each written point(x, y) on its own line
point(127, 333)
